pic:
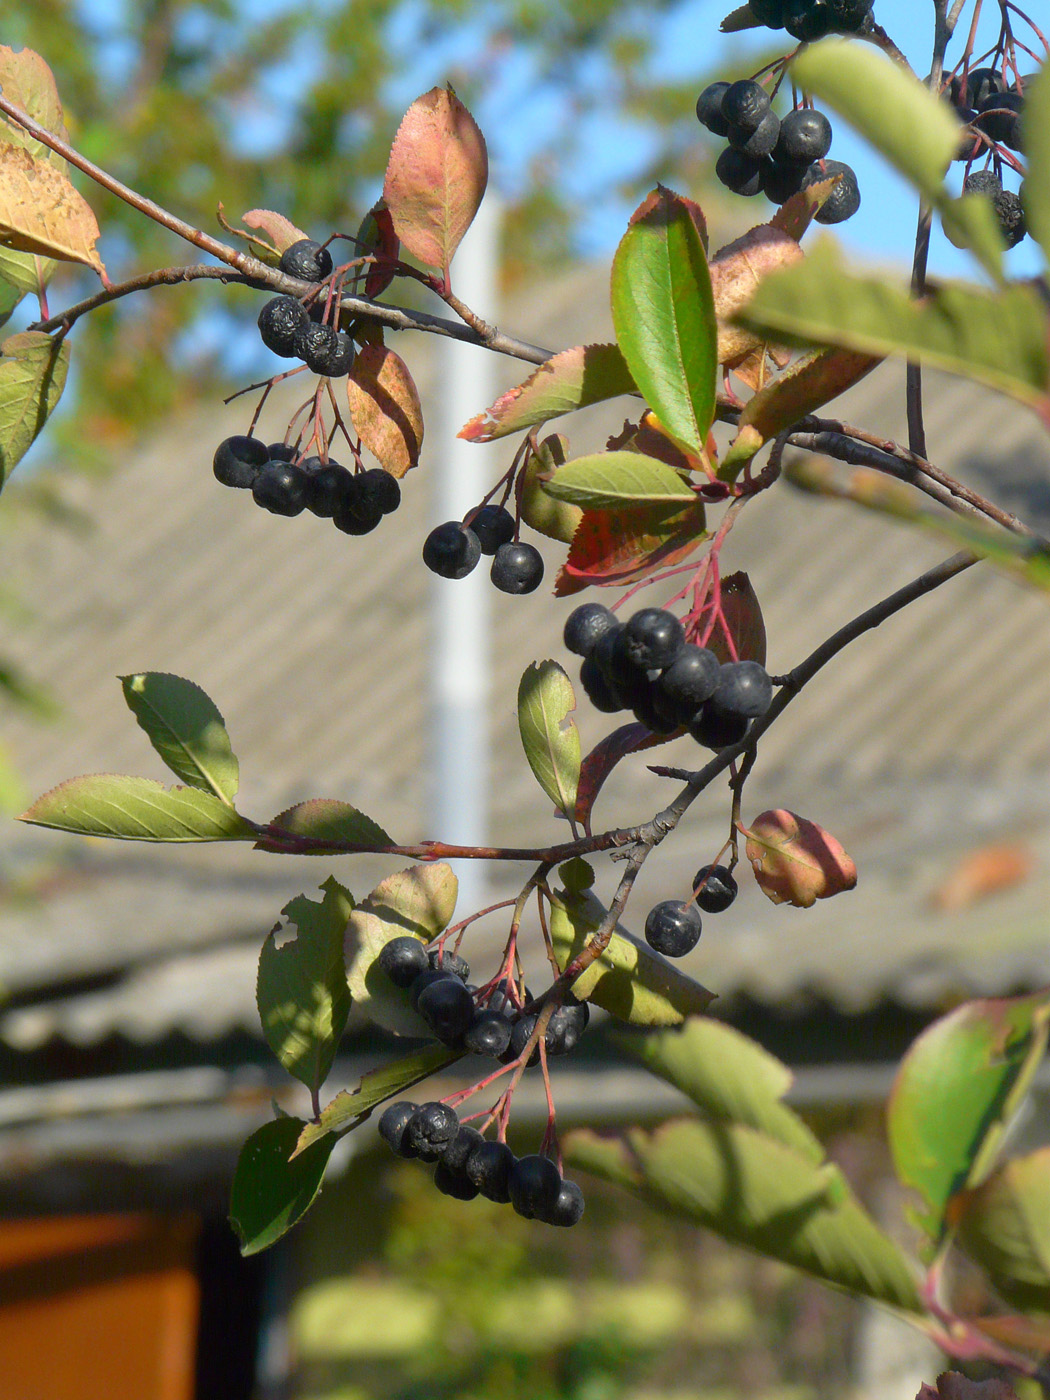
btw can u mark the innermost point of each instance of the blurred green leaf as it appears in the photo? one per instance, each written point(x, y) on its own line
point(956, 1091)
point(270, 1191)
point(1036, 186)
point(664, 316)
point(301, 990)
point(136, 809)
point(1004, 1224)
point(548, 735)
point(185, 727)
point(33, 370)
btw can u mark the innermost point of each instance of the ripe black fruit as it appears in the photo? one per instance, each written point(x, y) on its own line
point(280, 488)
point(565, 1027)
point(597, 688)
point(744, 688)
point(517, 568)
point(430, 1130)
point(691, 678)
point(423, 981)
point(567, 1209)
point(488, 1034)
point(454, 1184)
point(393, 1125)
point(982, 182)
point(379, 490)
point(672, 928)
point(739, 173)
point(328, 487)
point(534, 1185)
point(356, 513)
point(715, 729)
point(1012, 222)
point(585, 625)
point(805, 135)
point(238, 460)
point(403, 959)
point(281, 452)
point(757, 143)
point(519, 1037)
point(280, 321)
point(709, 109)
point(745, 105)
point(781, 180)
point(981, 83)
point(494, 526)
point(445, 960)
point(844, 200)
point(324, 349)
point(451, 550)
point(463, 1143)
point(999, 117)
point(652, 639)
point(307, 260)
point(489, 1167)
point(715, 888)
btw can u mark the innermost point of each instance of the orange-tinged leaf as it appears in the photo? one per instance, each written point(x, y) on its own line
point(736, 271)
point(42, 213)
point(376, 236)
point(617, 547)
point(743, 616)
point(28, 82)
point(385, 408)
point(573, 379)
point(982, 873)
point(436, 176)
point(1030, 1333)
point(797, 213)
point(795, 861)
point(281, 232)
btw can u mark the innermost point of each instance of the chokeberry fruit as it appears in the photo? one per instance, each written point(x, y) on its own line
point(455, 1184)
point(494, 526)
point(805, 135)
point(744, 688)
point(430, 1130)
point(981, 83)
point(281, 452)
point(393, 1125)
point(999, 117)
point(585, 625)
point(715, 888)
point(534, 1185)
point(517, 568)
point(691, 678)
point(567, 1208)
point(745, 105)
point(597, 688)
point(280, 488)
point(489, 1167)
point(712, 727)
point(380, 490)
point(1010, 212)
point(781, 180)
point(982, 182)
point(403, 959)
point(739, 173)
point(566, 1026)
point(451, 550)
point(328, 486)
point(445, 960)
point(280, 321)
point(325, 350)
point(425, 978)
point(519, 1037)
point(849, 16)
point(672, 928)
point(488, 1034)
point(356, 513)
point(757, 143)
point(653, 710)
point(448, 1009)
point(463, 1142)
point(652, 639)
point(709, 109)
point(306, 260)
point(844, 200)
point(238, 460)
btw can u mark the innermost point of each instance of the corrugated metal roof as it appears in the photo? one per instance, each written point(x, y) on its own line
point(923, 741)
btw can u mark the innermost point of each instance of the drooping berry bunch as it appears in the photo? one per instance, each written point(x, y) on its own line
point(646, 665)
point(452, 550)
point(292, 330)
point(812, 19)
point(470, 1165)
point(673, 926)
point(773, 157)
point(355, 502)
point(993, 112)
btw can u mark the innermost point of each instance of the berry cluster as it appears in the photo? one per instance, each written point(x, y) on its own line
point(469, 1165)
point(812, 19)
point(489, 1022)
point(452, 550)
point(993, 113)
point(673, 926)
point(355, 502)
point(646, 665)
point(292, 330)
point(773, 157)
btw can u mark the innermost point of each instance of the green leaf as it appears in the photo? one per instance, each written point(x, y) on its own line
point(1036, 187)
point(1005, 1226)
point(573, 379)
point(326, 821)
point(352, 1106)
point(549, 737)
point(10, 297)
point(186, 729)
point(26, 272)
point(301, 991)
point(558, 520)
point(270, 1191)
point(759, 1193)
point(419, 902)
point(732, 1078)
point(137, 809)
point(619, 480)
point(629, 980)
point(955, 1092)
point(664, 316)
point(33, 369)
point(999, 338)
point(1026, 557)
point(916, 132)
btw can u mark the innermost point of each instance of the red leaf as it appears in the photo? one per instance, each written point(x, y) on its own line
point(618, 547)
point(376, 236)
point(795, 861)
point(599, 763)
point(743, 615)
point(436, 176)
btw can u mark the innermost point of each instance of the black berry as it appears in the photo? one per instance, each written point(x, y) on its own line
point(454, 1184)
point(307, 260)
point(982, 182)
point(709, 109)
point(451, 550)
point(805, 135)
point(534, 1185)
point(445, 960)
point(324, 349)
point(464, 1141)
point(393, 1125)
point(430, 1130)
point(745, 105)
point(715, 888)
point(981, 83)
point(519, 1037)
point(715, 729)
point(652, 639)
point(999, 117)
point(768, 12)
point(844, 200)
point(356, 513)
point(597, 688)
point(691, 678)
point(403, 959)
point(1012, 222)
point(744, 688)
point(757, 143)
point(672, 928)
point(280, 488)
point(739, 173)
point(238, 460)
point(280, 321)
point(488, 1034)
point(328, 487)
point(517, 568)
point(281, 452)
point(494, 526)
point(567, 1208)
point(781, 180)
point(489, 1167)
point(423, 981)
point(379, 490)
point(585, 625)
point(565, 1027)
